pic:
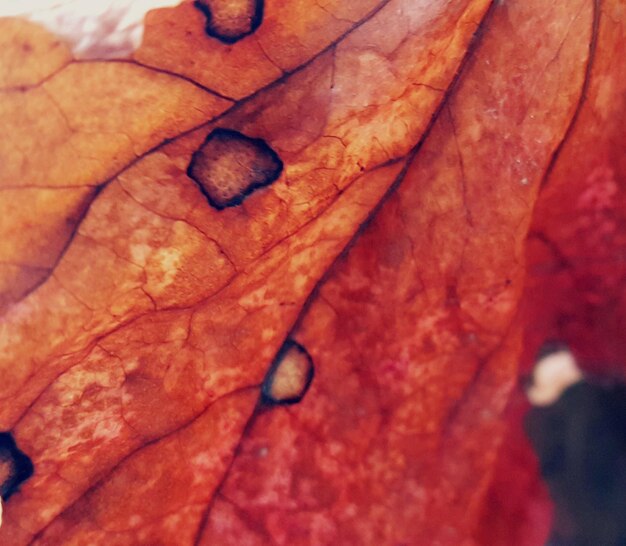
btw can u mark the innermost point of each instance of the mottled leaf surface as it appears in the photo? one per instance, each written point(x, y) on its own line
point(419, 144)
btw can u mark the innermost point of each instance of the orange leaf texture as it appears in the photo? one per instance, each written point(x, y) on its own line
point(271, 279)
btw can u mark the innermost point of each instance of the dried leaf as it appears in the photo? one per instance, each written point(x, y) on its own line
point(141, 321)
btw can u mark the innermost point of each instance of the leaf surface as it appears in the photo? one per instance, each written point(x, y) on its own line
point(575, 273)
point(140, 321)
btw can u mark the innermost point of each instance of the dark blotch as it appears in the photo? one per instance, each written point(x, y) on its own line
point(229, 166)
point(231, 20)
point(15, 466)
point(289, 377)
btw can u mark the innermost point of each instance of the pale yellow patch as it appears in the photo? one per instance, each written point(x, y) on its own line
point(291, 375)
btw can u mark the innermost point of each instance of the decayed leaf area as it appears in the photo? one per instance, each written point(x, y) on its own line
point(420, 143)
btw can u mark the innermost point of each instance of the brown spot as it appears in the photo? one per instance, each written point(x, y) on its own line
point(230, 165)
point(290, 375)
point(231, 20)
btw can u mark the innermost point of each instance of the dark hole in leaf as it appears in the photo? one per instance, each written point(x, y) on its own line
point(15, 466)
